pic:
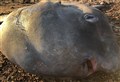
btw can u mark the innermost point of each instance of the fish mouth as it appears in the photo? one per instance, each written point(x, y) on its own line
point(89, 66)
point(1, 22)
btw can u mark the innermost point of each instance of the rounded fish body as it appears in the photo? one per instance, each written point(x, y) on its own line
point(54, 39)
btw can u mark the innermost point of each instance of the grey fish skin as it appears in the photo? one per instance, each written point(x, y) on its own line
point(59, 40)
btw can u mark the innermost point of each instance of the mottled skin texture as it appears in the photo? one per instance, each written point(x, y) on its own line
point(57, 40)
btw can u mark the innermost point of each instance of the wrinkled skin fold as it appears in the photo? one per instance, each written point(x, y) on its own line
point(59, 40)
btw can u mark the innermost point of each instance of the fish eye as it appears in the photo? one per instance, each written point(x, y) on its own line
point(90, 18)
